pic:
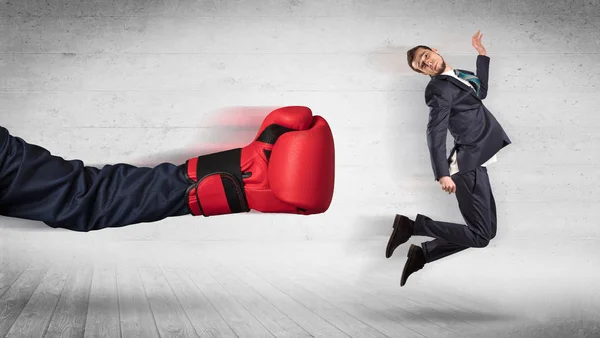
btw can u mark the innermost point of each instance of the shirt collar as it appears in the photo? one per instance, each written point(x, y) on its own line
point(449, 72)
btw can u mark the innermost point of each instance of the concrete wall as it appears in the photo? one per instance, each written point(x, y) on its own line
point(147, 82)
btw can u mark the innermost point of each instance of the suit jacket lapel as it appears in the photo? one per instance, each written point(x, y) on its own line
point(461, 85)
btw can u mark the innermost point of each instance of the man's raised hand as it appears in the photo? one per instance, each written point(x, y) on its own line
point(476, 42)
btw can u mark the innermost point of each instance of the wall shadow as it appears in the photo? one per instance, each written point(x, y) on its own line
point(229, 127)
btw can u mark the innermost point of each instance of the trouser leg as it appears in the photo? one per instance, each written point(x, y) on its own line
point(477, 206)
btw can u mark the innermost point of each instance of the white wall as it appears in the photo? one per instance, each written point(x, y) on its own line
point(143, 83)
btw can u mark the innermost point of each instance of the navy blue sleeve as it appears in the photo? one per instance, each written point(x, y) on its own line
point(37, 185)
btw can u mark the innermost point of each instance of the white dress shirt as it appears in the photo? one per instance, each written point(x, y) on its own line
point(454, 164)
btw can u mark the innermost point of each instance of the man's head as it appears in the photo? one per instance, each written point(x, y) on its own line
point(425, 60)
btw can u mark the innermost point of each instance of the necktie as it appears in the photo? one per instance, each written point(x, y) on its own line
point(474, 80)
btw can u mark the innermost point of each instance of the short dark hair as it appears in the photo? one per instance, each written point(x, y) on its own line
point(410, 55)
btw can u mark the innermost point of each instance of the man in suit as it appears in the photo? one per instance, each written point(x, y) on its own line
point(454, 98)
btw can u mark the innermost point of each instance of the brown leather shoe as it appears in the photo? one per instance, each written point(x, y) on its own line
point(403, 229)
point(415, 262)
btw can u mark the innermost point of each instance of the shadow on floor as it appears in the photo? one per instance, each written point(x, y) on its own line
point(571, 328)
point(451, 315)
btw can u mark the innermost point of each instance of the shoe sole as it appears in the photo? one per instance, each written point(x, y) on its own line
point(388, 251)
point(411, 250)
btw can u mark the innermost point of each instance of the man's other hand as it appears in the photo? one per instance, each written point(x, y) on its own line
point(448, 184)
point(476, 42)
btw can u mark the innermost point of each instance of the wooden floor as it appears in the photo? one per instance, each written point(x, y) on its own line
point(215, 301)
point(209, 295)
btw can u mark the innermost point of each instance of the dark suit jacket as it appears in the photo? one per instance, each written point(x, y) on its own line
point(454, 106)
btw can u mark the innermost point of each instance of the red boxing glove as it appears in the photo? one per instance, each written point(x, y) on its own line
point(288, 168)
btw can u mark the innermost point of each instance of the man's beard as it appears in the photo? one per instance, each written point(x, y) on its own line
point(442, 67)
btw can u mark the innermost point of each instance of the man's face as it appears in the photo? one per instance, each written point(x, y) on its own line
point(429, 62)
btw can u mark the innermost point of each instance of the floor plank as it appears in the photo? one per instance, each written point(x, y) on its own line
point(36, 315)
point(434, 303)
point(431, 296)
point(446, 307)
point(10, 271)
point(243, 323)
point(343, 320)
point(307, 319)
point(381, 314)
point(135, 314)
point(103, 312)
point(279, 324)
point(18, 294)
point(412, 305)
point(202, 314)
point(70, 314)
point(169, 316)
point(390, 274)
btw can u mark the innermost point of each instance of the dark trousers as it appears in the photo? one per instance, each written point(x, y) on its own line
point(478, 208)
point(39, 186)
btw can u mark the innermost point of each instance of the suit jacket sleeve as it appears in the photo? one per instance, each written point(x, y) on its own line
point(483, 69)
point(437, 129)
point(36, 185)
